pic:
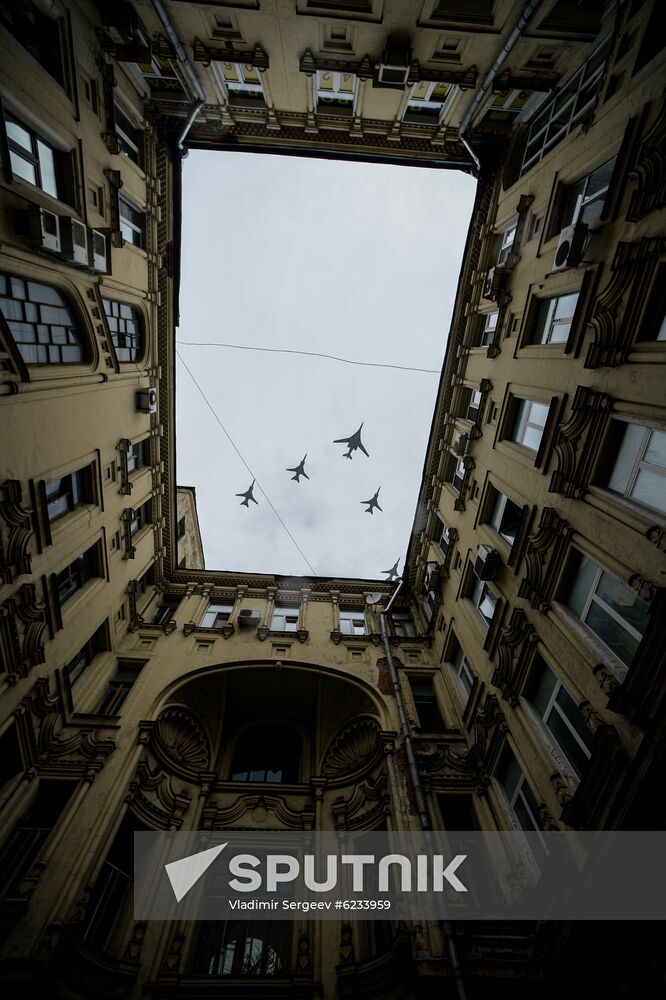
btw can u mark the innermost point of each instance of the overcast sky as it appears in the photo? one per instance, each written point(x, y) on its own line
point(351, 259)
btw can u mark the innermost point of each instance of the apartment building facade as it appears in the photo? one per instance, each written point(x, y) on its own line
point(142, 691)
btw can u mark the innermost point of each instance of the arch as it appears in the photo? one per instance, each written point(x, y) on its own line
point(267, 753)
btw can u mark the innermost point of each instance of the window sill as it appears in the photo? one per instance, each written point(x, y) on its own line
point(337, 636)
point(226, 631)
point(38, 196)
point(649, 523)
point(86, 593)
point(264, 633)
point(139, 251)
point(138, 171)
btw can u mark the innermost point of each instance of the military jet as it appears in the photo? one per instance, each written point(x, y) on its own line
point(392, 573)
point(248, 496)
point(372, 503)
point(352, 443)
point(300, 469)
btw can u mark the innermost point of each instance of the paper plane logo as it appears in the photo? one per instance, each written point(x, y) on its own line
point(186, 872)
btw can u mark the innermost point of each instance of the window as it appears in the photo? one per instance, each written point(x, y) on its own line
point(487, 333)
point(609, 608)
point(43, 36)
point(425, 701)
point(507, 241)
point(467, 11)
point(119, 687)
point(73, 577)
point(242, 84)
point(132, 223)
point(483, 599)
point(403, 624)
point(161, 77)
point(216, 616)
point(124, 322)
point(520, 795)
point(269, 754)
point(528, 423)
point(442, 536)
point(41, 322)
point(240, 948)
point(137, 455)
point(561, 715)
point(553, 319)
point(505, 515)
point(24, 845)
point(571, 105)
point(85, 656)
point(584, 201)
point(68, 492)
point(505, 108)
point(457, 474)
point(128, 136)
point(140, 517)
point(639, 470)
point(165, 610)
point(462, 671)
point(335, 92)
point(30, 157)
point(285, 617)
point(352, 621)
point(426, 102)
point(471, 401)
point(111, 894)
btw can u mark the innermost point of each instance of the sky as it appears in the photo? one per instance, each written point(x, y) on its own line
point(355, 260)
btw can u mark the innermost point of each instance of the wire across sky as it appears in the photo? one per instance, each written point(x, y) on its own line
point(308, 354)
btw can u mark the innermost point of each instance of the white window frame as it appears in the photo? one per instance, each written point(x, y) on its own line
point(457, 475)
point(285, 617)
point(498, 511)
point(554, 706)
point(594, 598)
point(213, 612)
point(547, 322)
point(335, 93)
point(403, 624)
point(463, 673)
point(507, 241)
point(517, 794)
point(352, 621)
point(132, 226)
point(479, 593)
point(473, 405)
point(582, 198)
point(437, 105)
point(242, 85)
point(489, 328)
point(640, 463)
point(522, 422)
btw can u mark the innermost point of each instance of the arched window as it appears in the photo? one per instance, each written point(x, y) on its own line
point(267, 753)
point(41, 321)
point(124, 323)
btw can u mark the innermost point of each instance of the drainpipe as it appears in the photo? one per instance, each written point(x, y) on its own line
point(195, 87)
point(421, 805)
point(525, 17)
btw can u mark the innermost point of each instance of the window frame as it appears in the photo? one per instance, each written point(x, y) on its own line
point(75, 334)
point(544, 321)
point(639, 464)
point(81, 491)
point(477, 592)
point(346, 618)
point(538, 671)
point(342, 103)
point(127, 145)
point(288, 614)
point(131, 226)
point(520, 424)
point(73, 577)
point(217, 609)
point(241, 93)
point(460, 666)
point(495, 507)
point(436, 108)
point(129, 343)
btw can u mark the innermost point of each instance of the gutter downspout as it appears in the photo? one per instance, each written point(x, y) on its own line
point(195, 87)
point(525, 17)
point(421, 805)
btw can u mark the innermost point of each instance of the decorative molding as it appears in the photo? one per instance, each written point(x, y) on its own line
point(576, 442)
point(255, 57)
point(353, 749)
point(544, 555)
point(179, 739)
point(14, 556)
point(649, 173)
point(515, 644)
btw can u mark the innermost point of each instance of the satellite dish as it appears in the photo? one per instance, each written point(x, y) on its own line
point(373, 598)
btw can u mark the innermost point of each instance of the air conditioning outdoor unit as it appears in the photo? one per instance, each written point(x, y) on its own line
point(248, 618)
point(494, 282)
point(431, 578)
point(396, 63)
point(488, 563)
point(98, 258)
point(124, 25)
point(74, 241)
point(571, 246)
point(44, 228)
point(460, 444)
point(146, 400)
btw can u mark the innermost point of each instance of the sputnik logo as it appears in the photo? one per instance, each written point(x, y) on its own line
point(186, 872)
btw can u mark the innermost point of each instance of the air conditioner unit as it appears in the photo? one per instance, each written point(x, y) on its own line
point(248, 618)
point(146, 400)
point(431, 578)
point(44, 228)
point(488, 563)
point(396, 63)
point(74, 241)
point(571, 246)
point(460, 444)
point(98, 257)
point(494, 282)
point(124, 25)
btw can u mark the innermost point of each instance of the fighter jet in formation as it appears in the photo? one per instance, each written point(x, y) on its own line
point(392, 573)
point(300, 469)
point(372, 503)
point(353, 443)
point(248, 496)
